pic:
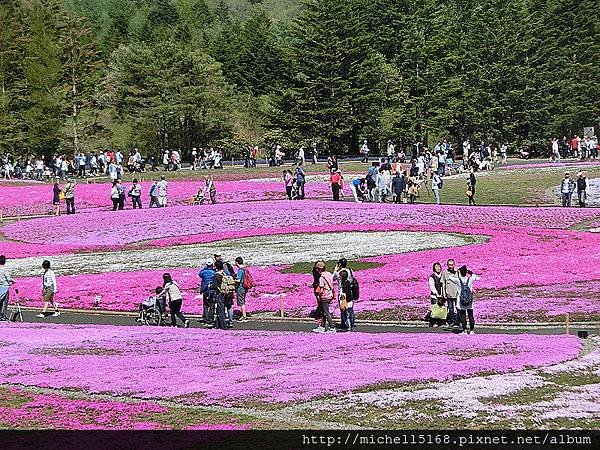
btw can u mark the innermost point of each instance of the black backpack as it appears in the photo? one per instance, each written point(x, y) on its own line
point(466, 295)
point(355, 288)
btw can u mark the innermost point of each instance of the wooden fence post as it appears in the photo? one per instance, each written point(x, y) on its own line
point(281, 308)
point(567, 324)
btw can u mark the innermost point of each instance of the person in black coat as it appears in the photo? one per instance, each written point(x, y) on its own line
point(398, 186)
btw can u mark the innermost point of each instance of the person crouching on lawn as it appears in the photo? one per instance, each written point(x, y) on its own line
point(49, 289)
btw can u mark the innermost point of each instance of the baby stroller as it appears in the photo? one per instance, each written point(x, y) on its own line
point(153, 312)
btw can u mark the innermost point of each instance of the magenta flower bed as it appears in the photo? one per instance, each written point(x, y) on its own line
point(37, 199)
point(212, 367)
point(179, 224)
point(33, 410)
point(515, 257)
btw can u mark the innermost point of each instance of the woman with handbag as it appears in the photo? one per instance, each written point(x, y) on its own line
point(325, 294)
point(439, 311)
point(346, 302)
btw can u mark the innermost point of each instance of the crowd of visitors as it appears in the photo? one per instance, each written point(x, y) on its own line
point(576, 147)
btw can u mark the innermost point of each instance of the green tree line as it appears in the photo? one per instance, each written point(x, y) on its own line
point(79, 75)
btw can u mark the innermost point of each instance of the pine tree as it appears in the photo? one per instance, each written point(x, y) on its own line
point(175, 96)
point(44, 90)
point(11, 67)
point(336, 94)
point(83, 72)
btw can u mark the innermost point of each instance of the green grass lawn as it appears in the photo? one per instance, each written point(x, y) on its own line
point(306, 267)
point(509, 187)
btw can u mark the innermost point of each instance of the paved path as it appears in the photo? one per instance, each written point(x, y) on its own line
point(298, 325)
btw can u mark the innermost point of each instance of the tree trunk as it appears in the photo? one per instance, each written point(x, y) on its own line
point(74, 112)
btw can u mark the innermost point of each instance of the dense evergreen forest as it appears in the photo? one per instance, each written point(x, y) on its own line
point(79, 75)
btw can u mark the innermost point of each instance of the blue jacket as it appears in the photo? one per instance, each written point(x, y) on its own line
point(206, 275)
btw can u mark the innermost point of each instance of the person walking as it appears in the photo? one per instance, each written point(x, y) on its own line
point(344, 277)
point(347, 301)
point(582, 188)
point(114, 196)
point(5, 283)
point(436, 185)
point(56, 190)
point(398, 187)
point(301, 156)
point(162, 191)
point(288, 180)
point(567, 186)
point(211, 189)
point(153, 194)
point(450, 293)
point(173, 293)
point(221, 289)
point(69, 192)
point(49, 290)
point(504, 153)
point(372, 180)
point(121, 191)
point(300, 180)
point(325, 295)
point(464, 281)
point(471, 182)
point(335, 179)
point(242, 278)
point(364, 150)
point(135, 192)
point(208, 294)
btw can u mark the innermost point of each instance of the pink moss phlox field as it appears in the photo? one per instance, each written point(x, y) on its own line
point(202, 366)
point(103, 227)
point(37, 199)
point(60, 412)
point(78, 414)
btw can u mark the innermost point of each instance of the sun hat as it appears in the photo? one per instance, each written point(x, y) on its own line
point(320, 265)
point(209, 262)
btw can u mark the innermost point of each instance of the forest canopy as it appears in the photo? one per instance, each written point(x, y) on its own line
point(82, 75)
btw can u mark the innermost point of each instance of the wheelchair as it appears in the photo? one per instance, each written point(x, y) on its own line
point(155, 315)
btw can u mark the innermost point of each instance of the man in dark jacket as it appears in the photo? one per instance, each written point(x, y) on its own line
point(398, 186)
point(208, 302)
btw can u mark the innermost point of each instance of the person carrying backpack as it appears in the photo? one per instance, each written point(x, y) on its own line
point(229, 272)
point(223, 286)
point(208, 295)
point(244, 282)
point(464, 281)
